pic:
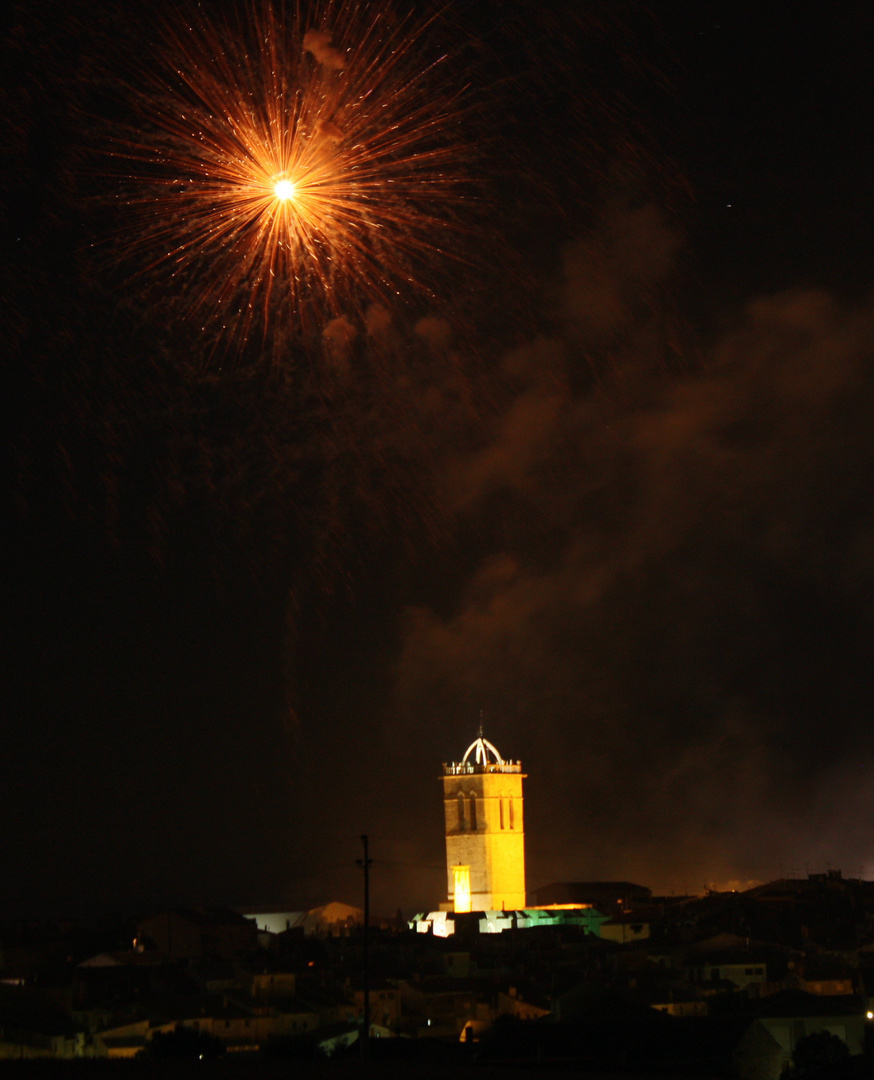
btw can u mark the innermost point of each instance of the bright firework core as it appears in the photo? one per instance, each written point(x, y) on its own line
point(284, 189)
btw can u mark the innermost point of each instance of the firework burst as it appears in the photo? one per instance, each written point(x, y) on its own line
point(291, 166)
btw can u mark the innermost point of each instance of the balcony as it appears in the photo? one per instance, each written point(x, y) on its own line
point(465, 768)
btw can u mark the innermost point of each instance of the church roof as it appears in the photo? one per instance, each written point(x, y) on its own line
point(481, 748)
point(481, 756)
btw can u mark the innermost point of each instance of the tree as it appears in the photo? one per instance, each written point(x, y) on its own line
point(818, 1054)
point(184, 1042)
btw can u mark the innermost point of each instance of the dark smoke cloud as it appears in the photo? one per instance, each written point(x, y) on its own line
point(671, 620)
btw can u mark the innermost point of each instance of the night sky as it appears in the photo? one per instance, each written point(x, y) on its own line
point(609, 487)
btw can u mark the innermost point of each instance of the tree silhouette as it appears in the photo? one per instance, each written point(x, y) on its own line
point(818, 1054)
point(184, 1042)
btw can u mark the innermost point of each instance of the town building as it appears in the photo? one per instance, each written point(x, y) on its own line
point(485, 831)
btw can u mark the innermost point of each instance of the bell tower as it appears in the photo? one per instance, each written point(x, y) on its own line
point(485, 830)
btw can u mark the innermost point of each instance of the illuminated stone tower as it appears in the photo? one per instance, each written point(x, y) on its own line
point(485, 830)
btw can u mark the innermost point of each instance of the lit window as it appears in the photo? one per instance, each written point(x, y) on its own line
point(461, 887)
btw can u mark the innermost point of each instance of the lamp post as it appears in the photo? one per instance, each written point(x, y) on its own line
point(365, 864)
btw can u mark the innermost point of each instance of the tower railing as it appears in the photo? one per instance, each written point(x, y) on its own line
point(463, 768)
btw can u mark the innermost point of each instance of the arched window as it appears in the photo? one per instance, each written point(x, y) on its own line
point(511, 812)
point(473, 812)
point(501, 809)
point(461, 825)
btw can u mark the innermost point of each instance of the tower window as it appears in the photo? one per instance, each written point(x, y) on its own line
point(501, 809)
point(473, 812)
point(511, 811)
point(461, 889)
point(461, 824)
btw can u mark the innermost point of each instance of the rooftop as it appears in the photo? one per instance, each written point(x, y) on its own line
point(480, 757)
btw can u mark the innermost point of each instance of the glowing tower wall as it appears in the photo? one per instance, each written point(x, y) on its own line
point(485, 829)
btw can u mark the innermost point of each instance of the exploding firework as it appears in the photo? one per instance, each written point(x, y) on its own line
point(292, 166)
